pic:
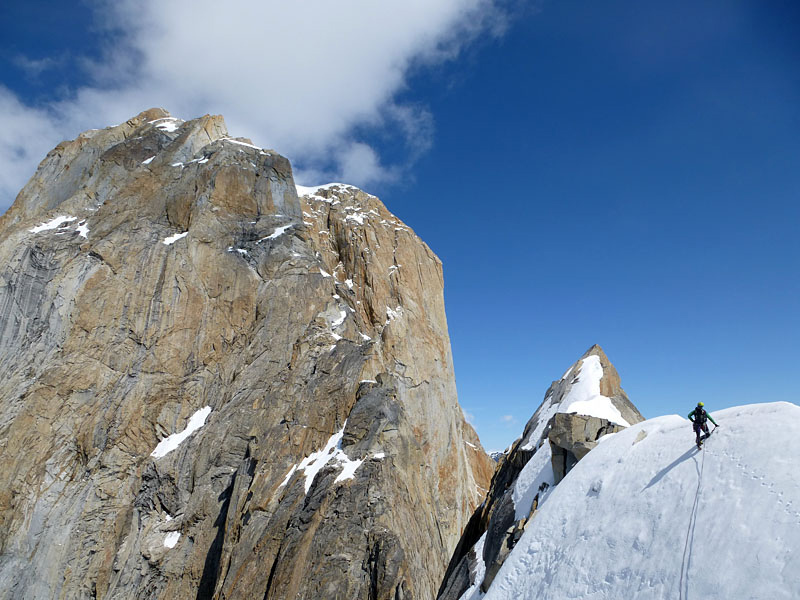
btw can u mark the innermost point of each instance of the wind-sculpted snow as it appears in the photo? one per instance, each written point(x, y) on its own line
point(646, 515)
point(585, 397)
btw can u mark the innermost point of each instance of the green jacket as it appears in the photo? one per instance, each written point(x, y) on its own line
point(699, 415)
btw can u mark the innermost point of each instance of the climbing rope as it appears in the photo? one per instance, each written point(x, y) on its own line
point(690, 531)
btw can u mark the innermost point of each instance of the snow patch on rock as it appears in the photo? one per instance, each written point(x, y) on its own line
point(83, 229)
point(314, 462)
point(168, 241)
point(474, 591)
point(53, 224)
point(168, 444)
point(168, 124)
point(279, 231)
point(536, 478)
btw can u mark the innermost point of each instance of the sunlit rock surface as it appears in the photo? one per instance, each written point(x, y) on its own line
point(212, 387)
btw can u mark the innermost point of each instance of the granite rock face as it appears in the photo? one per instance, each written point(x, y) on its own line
point(213, 387)
point(571, 436)
point(585, 404)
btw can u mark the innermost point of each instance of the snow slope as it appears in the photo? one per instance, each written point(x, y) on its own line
point(655, 518)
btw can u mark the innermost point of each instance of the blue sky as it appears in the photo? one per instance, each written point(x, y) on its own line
point(621, 173)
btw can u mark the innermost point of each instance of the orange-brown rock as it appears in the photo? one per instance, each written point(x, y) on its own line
point(161, 277)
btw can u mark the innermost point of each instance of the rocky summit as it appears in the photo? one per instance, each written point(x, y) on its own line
point(585, 404)
point(213, 386)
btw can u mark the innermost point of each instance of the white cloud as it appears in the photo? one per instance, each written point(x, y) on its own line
point(508, 420)
point(468, 416)
point(360, 162)
point(34, 67)
point(26, 135)
point(299, 77)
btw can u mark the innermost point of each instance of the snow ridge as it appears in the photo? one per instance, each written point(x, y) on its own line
point(646, 515)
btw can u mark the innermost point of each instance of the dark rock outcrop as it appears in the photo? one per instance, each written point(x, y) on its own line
point(571, 436)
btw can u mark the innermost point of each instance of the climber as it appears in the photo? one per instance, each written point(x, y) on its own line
point(699, 418)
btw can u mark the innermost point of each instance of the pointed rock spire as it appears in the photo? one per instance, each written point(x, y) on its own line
point(165, 286)
point(586, 403)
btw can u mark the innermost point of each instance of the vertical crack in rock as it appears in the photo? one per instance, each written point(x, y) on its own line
point(272, 570)
point(208, 580)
